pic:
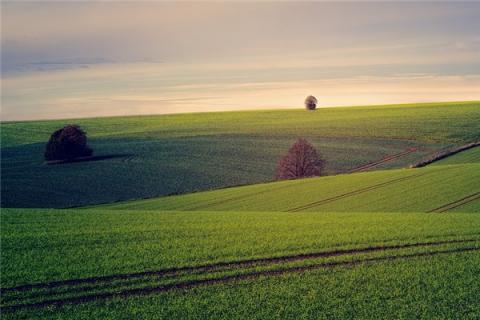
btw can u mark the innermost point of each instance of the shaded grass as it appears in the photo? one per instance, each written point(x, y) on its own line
point(404, 190)
point(175, 154)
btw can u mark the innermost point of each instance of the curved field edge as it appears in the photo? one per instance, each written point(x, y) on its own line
point(388, 289)
point(403, 190)
point(444, 157)
point(471, 155)
point(178, 154)
point(51, 245)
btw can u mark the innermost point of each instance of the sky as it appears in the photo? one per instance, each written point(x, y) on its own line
point(76, 59)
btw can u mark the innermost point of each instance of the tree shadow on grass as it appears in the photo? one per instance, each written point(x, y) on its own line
point(90, 158)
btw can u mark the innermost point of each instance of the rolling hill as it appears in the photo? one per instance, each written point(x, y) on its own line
point(431, 189)
point(151, 156)
point(397, 243)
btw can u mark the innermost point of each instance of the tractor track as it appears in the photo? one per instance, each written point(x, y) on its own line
point(241, 197)
point(361, 168)
point(354, 192)
point(385, 159)
point(230, 265)
point(456, 203)
point(189, 284)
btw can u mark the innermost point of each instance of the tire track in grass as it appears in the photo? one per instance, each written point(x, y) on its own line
point(114, 283)
point(385, 159)
point(456, 203)
point(232, 264)
point(240, 197)
point(189, 284)
point(363, 190)
point(355, 192)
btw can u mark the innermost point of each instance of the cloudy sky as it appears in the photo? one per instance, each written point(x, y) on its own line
point(82, 59)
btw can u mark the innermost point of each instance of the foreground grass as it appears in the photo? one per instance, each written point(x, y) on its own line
point(161, 155)
point(47, 245)
point(406, 190)
point(441, 287)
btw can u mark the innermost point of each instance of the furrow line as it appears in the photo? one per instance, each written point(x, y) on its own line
point(231, 265)
point(354, 193)
point(386, 159)
point(221, 280)
point(457, 203)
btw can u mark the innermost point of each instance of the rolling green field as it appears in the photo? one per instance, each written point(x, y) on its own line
point(109, 262)
point(435, 188)
point(57, 263)
point(389, 243)
point(434, 287)
point(153, 156)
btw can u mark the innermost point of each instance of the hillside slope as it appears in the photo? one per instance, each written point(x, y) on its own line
point(160, 155)
point(435, 188)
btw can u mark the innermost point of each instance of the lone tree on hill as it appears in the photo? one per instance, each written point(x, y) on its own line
point(67, 143)
point(301, 161)
point(310, 103)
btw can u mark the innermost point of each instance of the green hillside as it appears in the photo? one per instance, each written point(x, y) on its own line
point(86, 263)
point(435, 188)
point(152, 156)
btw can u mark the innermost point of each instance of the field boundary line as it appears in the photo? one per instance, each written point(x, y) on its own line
point(440, 155)
point(226, 279)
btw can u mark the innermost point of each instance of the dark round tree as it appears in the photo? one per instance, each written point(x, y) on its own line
point(67, 143)
point(310, 103)
point(301, 161)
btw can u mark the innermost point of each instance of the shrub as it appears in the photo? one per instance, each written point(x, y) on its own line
point(311, 103)
point(301, 160)
point(67, 143)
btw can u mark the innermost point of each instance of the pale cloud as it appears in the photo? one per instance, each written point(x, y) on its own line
point(63, 60)
point(58, 98)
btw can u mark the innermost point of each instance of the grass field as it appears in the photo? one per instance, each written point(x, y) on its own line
point(176, 154)
point(83, 259)
point(383, 244)
point(111, 262)
point(437, 188)
point(444, 286)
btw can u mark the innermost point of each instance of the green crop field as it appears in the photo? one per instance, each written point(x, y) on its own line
point(390, 243)
point(436, 187)
point(57, 263)
point(443, 286)
point(152, 156)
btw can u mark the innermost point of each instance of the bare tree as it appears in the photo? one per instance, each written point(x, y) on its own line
point(302, 160)
point(310, 103)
